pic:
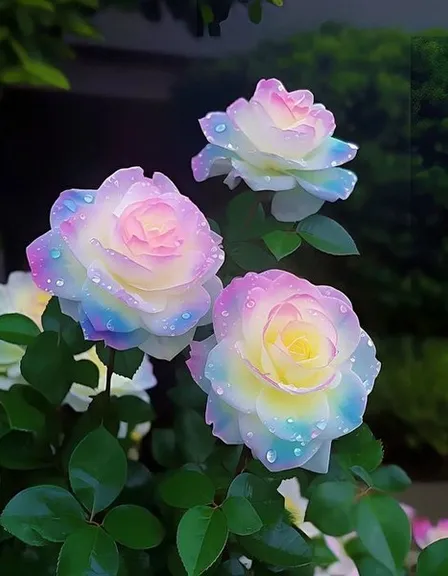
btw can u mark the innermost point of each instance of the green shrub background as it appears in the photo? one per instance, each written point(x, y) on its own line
point(389, 93)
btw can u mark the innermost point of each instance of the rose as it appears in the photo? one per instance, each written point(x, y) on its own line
point(425, 533)
point(134, 262)
point(80, 397)
point(278, 141)
point(287, 371)
point(18, 295)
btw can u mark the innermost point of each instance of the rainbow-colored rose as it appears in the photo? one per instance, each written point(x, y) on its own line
point(288, 369)
point(134, 262)
point(280, 141)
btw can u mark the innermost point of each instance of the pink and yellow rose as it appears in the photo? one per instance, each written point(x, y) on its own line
point(288, 369)
point(280, 141)
point(134, 262)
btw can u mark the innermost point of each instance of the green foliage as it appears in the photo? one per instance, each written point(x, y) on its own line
point(327, 235)
point(433, 561)
point(17, 329)
point(134, 527)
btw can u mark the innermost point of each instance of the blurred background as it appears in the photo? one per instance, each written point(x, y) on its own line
point(87, 89)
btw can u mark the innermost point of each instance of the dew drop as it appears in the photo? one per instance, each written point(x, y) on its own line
point(271, 456)
point(334, 163)
point(290, 420)
point(96, 279)
point(271, 429)
point(48, 280)
point(369, 343)
point(343, 308)
point(60, 282)
point(321, 425)
point(250, 303)
point(70, 205)
point(88, 198)
point(219, 391)
point(250, 434)
point(172, 327)
point(224, 313)
point(186, 315)
point(220, 128)
point(345, 430)
point(55, 253)
point(352, 359)
point(297, 451)
point(110, 325)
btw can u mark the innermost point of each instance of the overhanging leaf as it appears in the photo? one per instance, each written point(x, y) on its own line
point(327, 236)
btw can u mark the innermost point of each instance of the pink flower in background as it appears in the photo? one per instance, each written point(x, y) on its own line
point(134, 262)
point(280, 141)
point(287, 371)
point(425, 533)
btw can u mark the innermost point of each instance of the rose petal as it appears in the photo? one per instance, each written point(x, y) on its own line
point(294, 205)
point(335, 293)
point(117, 184)
point(347, 326)
point(54, 267)
point(330, 153)
point(331, 184)
point(214, 288)
point(211, 161)
point(230, 378)
point(274, 453)
point(69, 203)
point(347, 402)
point(320, 462)
point(364, 362)
point(166, 347)
point(259, 178)
point(224, 419)
point(422, 529)
point(199, 352)
point(293, 417)
point(117, 340)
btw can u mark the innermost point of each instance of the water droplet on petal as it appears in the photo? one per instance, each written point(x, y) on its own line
point(334, 163)
point(88, 198)
point(352, 359)
point(70, 205)
point(250, 303)
point(321, 425)
point(172, 327)
point(186, 315)
point(219, 391)
point(297, 451)
point(224, 313)
point(110, 325)
point(343, 308)
point(345, 430)
point(250, 434)
point(96, 279)
point(290, 420)
point(60, 282)
point(55, 253)
point(271, 456)
point(369, 343)
point(220, 128)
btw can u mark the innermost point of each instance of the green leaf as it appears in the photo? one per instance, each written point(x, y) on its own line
point(17, 329)
point(279, 545)
point(268, 503)
point(433, 560)
point(331, 507)
point(46, 73)
point(278, 3)
point(255, 11)
point(42, 512)
point(133, 410)
point(126, 362)
point(88, 552)
point(97, 470)
point(201, 537)
point(242, 518)
point(23, 451)
point(20, 413)
point(42, 4)
point(138, 487)
point(53, 320)
point(281, 243)
point(78, 25)
point(187, 488)
point(390, 479)
point(163, 447)
point(322, 555)
point(362, 475)
point(368, 566)
point(48, 366)
point(134, 563)
point(86, 373)
point(134, 527)
point(214, 226)
point(193, 436)
point(384, 530)
point(245, 217)
point(359, 449)
point(327, 236)
point(251, 257)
